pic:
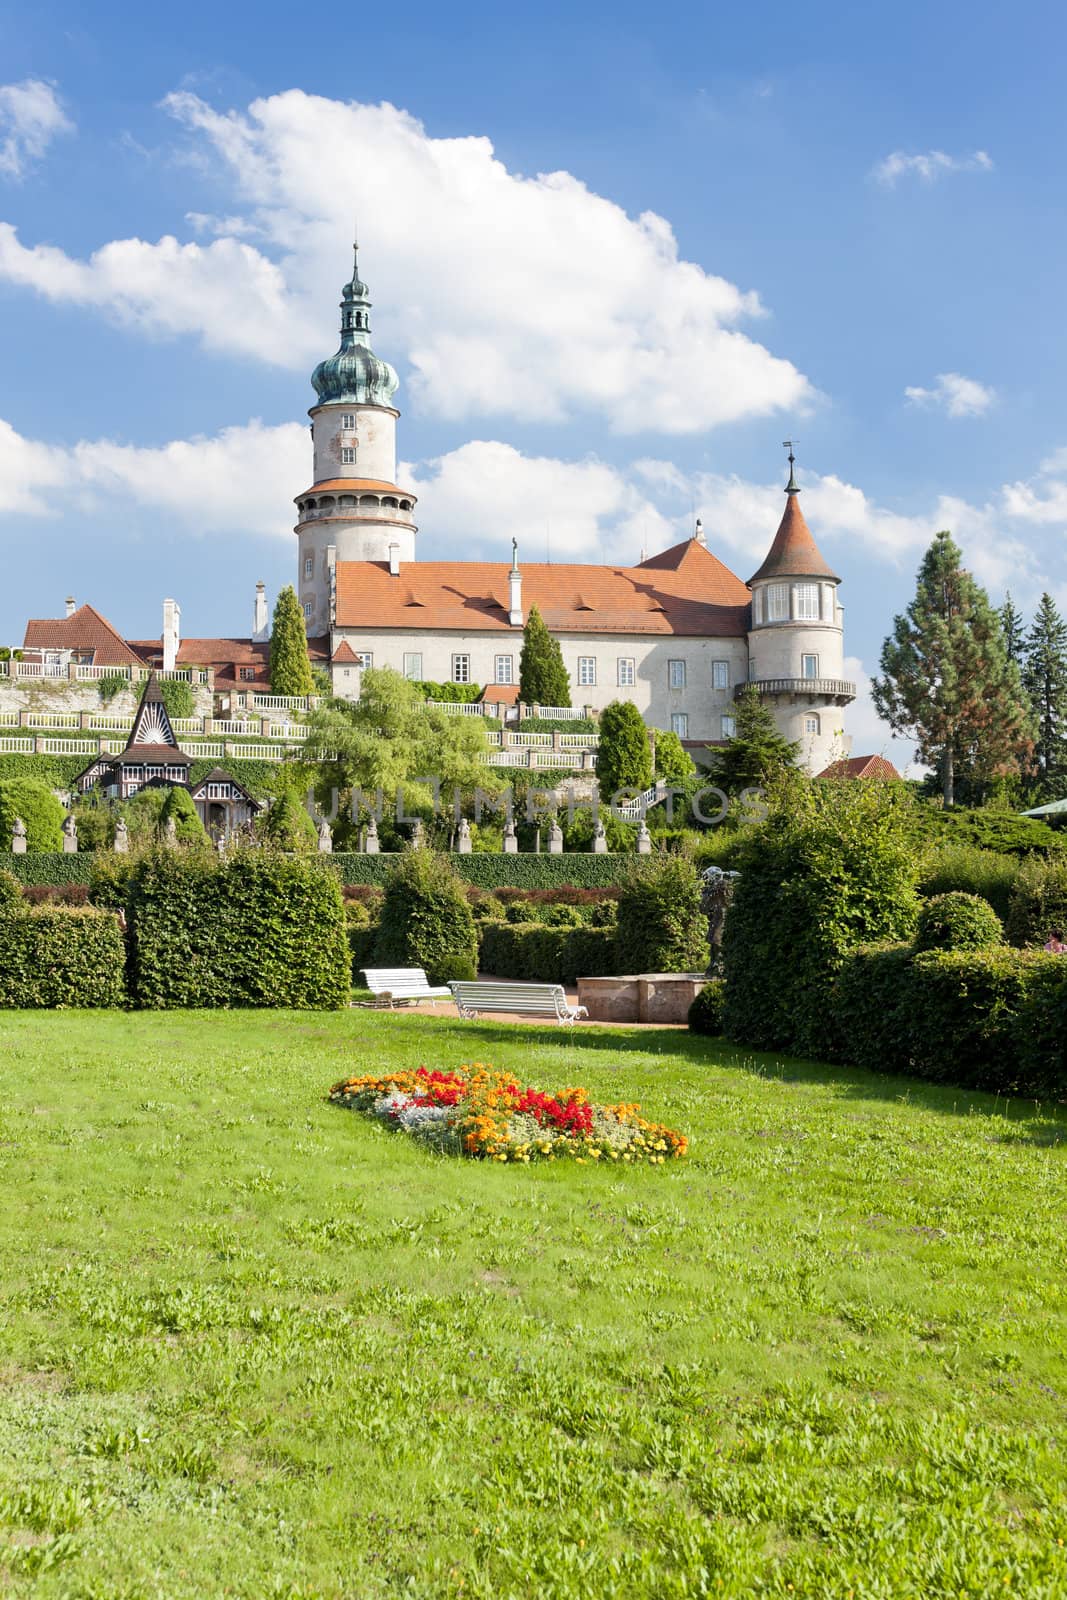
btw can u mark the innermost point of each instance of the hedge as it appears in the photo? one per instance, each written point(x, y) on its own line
point(426, 921)
point(983, 1019)
point(57, 956)
point(537, 954)
point(253, 930)
point(492, 871)
point(47, 866)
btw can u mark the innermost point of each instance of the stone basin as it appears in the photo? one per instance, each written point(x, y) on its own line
point(641, 996)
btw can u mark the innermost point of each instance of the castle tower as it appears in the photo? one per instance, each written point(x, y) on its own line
point(354, 510)
point(796, 639)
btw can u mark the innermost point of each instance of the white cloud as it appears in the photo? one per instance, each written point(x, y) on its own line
point(956, 395)
point(30, 118)
point(530, 297)
point(928, 167)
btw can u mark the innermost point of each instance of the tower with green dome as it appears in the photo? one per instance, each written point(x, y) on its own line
point(354, 510)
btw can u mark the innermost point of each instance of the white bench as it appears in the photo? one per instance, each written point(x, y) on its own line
point(472, 997)
point(399, 985)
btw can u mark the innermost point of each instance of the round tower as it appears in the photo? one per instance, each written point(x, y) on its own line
point(354, 510)
point(796, 639)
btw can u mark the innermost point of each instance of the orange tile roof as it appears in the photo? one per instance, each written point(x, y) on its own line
point(345, 655)
point(686, 591)
point(84, 630)
point(794, 553)
point(502, 694)
point(861, 767)
point(360, 485)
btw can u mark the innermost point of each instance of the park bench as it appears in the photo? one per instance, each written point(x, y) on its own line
point(392, 986)
point(472, 997)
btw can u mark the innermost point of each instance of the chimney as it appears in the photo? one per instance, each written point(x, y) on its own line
point(698, 533)
point(394, 561)
point(172, 634)
point(260, 625)
point(515, 588)
point(71, 605)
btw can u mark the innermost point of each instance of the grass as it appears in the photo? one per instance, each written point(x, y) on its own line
point(254, 1345)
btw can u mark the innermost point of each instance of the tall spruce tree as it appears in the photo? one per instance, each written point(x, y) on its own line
point(947, 680)
point(1045, 678)
point(543, 678)
point(290, 669)
point(624, 755)
point(1011, 620)
point(757, 751)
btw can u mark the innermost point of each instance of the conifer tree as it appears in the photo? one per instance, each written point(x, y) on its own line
point(624, 755)
point(1011, 620)
point(947, 680)
point(290, 669)
point(1045, 677)
point(543, 678)
point(180, 808)
point(757, 751)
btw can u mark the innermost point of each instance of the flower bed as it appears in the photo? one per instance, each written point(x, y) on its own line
point(475, 1111)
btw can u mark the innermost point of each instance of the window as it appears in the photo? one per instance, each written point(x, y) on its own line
point(365, 658)
point(348, 455)
point(626, 674)
point(720, 674)
point(309, 566)
point(807, 601)
point(680, 724)
point(413, 664)
point(502, 669)
point(728, 726)
point(348, 419)
point(461, 669)
point(246, 674)
point(809, 666)
point(811, 724)
point(307, 610)
point(757, 607)
point(676, 674)
point(778, 602)
point(586, 671)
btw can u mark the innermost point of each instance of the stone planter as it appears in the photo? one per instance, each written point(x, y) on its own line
point(641, 997)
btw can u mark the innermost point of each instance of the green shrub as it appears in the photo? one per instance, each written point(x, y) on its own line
point(361, 942)
point(575, 724)
point(950, 867)
point(426, 921)
point(180, 808)
point(660, 926)
point(109, 684)
point(287, 825)
point(624, 756)
point(957, 922)
point(706, 1011)
point(109, 880)
point(39, 810)
point(1041, 1031)
point(1001, 831)
point(254, 929)
point(832, 868)
point(10, 893)
point(498, 871)
point(457, 694)
point(535, 954)
point(58, 956)
point(178, 697)
point(47, 866)
point(1038, 905)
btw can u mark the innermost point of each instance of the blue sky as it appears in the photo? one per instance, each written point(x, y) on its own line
point(617, 255)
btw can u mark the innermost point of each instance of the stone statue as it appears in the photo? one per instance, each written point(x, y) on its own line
point(220, 844)
point(644, 839)
point(325, 838)
point(600, 838)
point(555, 840)
point(715, 899)
point(70, 834)
point(511, 843)
point(170, 832)
point(463, 837)
point(370, 844)
point(122, 837)
point(418, 834)
point(18, 837)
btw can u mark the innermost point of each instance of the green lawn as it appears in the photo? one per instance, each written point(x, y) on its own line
point(254, 1345)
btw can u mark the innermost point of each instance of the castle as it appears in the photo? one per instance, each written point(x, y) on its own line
point(678, 634)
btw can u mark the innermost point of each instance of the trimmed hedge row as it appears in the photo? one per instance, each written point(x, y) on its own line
point(498, 871)
point(532, 952)
point(58, 956)
point(253, 930)
point(992, 1019)
point(47, 866)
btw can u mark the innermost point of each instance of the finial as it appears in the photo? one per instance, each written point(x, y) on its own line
point(698, 531)
point(792, 487)
point(514, 555)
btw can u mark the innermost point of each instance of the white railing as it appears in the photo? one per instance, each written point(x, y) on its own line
point(28, 669)
point(579, 741)
point(111, 721)
point(258, 752)
point(90, 674)
point(52, 719)
point(506, 758)
point(529, 741)
point(187, 724)
point(16, 747)
point(200, 749)
point(175, 674)
point(284, 702)
point(634, 810)
point(495, 738)
point(70, 747)
point(9, 719)
point(459, 708)
point(559, 713)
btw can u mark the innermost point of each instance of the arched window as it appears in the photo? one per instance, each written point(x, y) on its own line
point(812, 725)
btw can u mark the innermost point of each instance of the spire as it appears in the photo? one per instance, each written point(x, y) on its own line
point(794, 553)
point(792, 486)
point(355, 373)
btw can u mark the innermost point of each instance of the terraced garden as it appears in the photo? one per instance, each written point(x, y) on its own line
point(253, 1344)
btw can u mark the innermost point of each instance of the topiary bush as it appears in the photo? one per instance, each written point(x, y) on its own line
point(180, 808)
point(830, 869)
point(537, 954)
point(706, 1011)
point(426, 921)
point(660, 926)
point(39, 809)
point(957, 922)
point(58, 956)
point(287, 825)
point(950, 867)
